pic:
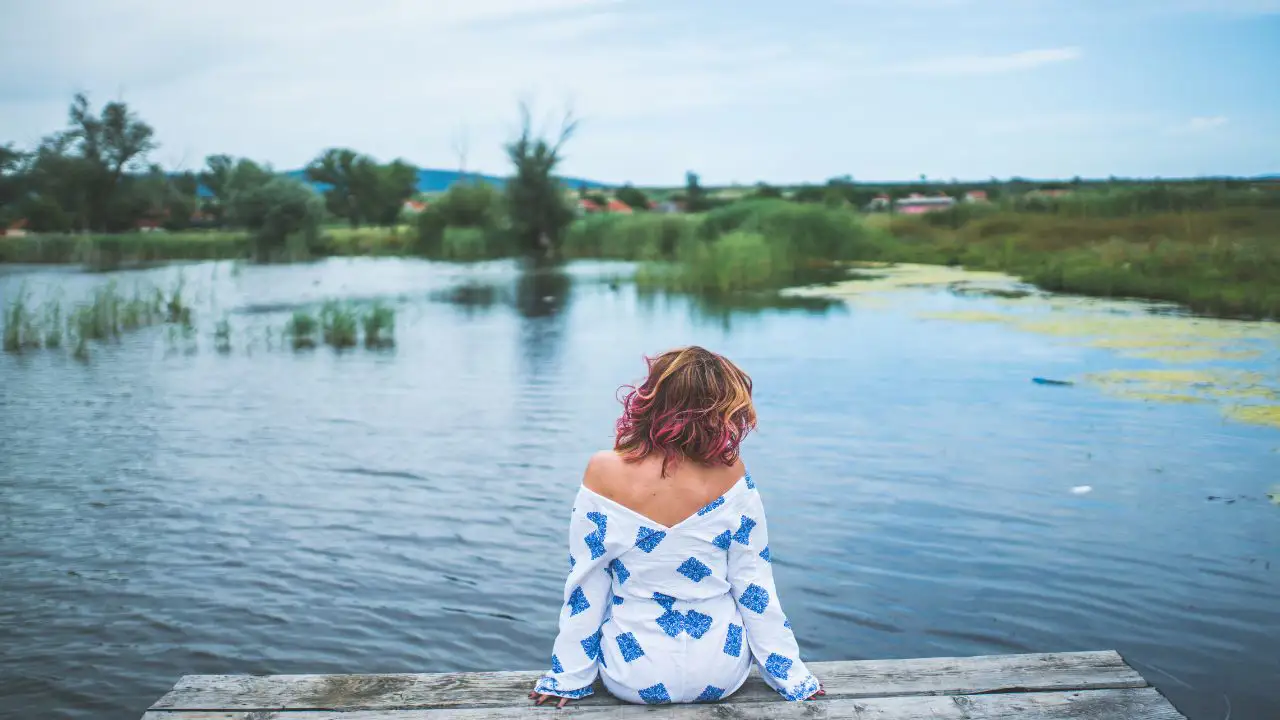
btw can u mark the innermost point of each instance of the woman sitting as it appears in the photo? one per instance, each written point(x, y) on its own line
point(670, 592)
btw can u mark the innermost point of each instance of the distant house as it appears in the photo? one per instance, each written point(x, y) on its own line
point(667, 206)
point(879, 203)
point(17, 228)
point(976, 196)
point(917, 204)
point(1053, 193)
point(586, 206)
point(148, 224)
point(617, 206)
point(413, 207)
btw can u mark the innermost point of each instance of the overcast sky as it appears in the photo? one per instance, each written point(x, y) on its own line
point(740, 90)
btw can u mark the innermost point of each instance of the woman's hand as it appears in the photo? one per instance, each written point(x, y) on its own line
point(539, 698)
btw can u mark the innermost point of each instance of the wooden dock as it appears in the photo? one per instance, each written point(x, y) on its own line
point(1053, 686)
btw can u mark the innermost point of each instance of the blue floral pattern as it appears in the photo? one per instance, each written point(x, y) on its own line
point(709, 575)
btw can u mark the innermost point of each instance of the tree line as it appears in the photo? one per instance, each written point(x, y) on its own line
point(95, 176)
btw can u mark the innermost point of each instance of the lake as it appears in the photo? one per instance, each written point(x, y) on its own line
point(167, 509)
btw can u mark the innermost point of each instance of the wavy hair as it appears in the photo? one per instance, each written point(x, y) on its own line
point(694, 405)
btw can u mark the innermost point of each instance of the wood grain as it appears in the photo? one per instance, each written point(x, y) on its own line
point(1127, 704)
point(842, 680)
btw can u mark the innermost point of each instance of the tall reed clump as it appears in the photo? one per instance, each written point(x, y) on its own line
point(21, 331)
point(640, 236)
point(105, 315)
point(338, 325)
point(301, 330)
point(379, 323)
point(762, 245)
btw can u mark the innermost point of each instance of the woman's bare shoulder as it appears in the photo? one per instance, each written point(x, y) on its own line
point(604, 469)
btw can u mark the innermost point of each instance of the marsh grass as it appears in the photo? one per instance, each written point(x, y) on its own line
point(301, 330)
point(1224, 262)
point(338, 325)
point(745, 247)
point(21, 331)
point(222, 335)
point(379, 323)
point(105, 252)
point(106, 315)
point(637, 237)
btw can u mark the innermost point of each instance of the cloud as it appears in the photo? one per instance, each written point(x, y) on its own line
point(1200, 124)
point(988, 64)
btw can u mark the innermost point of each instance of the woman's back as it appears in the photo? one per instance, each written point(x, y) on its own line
point(670, 593)
point(665, 499)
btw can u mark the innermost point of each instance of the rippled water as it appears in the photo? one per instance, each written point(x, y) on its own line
point(166, 511)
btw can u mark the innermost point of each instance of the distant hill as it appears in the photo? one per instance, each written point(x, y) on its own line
point(433, 181)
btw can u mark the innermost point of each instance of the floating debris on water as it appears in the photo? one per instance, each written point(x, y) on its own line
point(1223, 357)
point(1048, 381)
point(1081, 489)
point(874, 278)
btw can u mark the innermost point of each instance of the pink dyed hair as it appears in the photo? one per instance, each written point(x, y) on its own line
point(694, 405)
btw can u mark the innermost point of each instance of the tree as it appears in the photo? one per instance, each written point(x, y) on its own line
point(383, 194)
point(57, 180)
point(360, 190)
point(336, 168)
point(110, 143)
point(12, 168)
point(695, 197)
point(224, 177)
point(535, 199)
point(284, 215)
point(766, 191)
point(634, 198)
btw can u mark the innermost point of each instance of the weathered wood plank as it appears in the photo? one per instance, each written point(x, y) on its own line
point(855, 679)
point(1129, 704)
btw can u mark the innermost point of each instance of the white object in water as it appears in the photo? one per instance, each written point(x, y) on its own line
point(1082, 489)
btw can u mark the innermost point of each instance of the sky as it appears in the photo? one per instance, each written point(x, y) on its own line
point(738, 91)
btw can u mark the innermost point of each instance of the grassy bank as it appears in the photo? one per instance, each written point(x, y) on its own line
point(750, 246)
point(1221, 262)
point(110, 251)
point(1215, 261)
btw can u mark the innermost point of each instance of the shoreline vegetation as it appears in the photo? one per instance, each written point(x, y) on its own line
point(109, 313)
point(87, 195)
point(1223, 263)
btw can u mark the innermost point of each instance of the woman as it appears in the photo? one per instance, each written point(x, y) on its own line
point(670, 592)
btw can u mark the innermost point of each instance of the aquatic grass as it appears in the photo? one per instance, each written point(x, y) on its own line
point(21, 331)
point(54, 324)
point(379, 323)
point(338, 324)
point(222, 336)
point(301, 330)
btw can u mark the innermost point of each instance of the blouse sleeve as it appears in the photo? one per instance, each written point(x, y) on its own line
point(768, 631)
point(587, 594)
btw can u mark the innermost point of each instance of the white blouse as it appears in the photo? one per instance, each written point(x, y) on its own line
point(672, 614)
